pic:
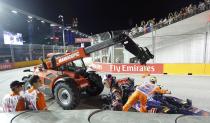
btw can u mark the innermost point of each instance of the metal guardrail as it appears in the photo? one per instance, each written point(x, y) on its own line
point(28, 52)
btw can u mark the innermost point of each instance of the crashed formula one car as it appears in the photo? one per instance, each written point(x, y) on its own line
point(159, 103)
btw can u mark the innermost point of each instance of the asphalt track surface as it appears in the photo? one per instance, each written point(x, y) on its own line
point(196, 88)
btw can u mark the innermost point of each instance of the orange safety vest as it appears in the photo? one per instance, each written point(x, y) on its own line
point(40, 103)
point(13, 102)
point(21, 103)
point(148, 89)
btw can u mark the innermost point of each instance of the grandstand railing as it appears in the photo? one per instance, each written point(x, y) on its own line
point(135, 32)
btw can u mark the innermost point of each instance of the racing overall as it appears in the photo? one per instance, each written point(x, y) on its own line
point(142, 93)
point(13, 102)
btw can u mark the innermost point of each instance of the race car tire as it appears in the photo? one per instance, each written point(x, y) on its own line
point(96, 85)
point(25, 79)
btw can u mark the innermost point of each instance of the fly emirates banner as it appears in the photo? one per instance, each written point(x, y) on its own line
point(128, 68)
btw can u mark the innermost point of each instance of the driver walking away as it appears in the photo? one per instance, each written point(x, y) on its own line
point(34, 96)
point(142, 93)
point(14, 101)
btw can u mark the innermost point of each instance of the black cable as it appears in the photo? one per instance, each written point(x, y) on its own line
point(95, 112)
point(29, 111)
point(179, 117)
point(18, 115)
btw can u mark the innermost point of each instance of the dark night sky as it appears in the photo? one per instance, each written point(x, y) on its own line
point(101, 15)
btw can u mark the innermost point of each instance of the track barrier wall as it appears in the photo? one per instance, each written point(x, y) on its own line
point(128, 68)
point(207, 69)
point(26, 63)
point(183, 69)
point(7, 66)
point(175, 69)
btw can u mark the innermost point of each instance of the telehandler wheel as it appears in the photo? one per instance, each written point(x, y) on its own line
point(67, 95)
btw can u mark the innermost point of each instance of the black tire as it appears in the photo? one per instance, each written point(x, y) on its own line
point(96, 85)
point(27, 85)
point(67, 95)
point(25, 78)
